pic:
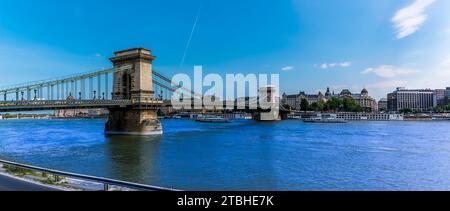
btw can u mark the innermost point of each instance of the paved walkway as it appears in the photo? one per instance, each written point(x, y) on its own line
point(11, 184)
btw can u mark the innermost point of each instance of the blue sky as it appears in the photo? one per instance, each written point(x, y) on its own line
point(377, 44)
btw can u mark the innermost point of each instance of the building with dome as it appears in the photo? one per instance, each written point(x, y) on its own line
point(367, 103)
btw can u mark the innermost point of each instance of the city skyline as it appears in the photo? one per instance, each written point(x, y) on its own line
point(311, 45)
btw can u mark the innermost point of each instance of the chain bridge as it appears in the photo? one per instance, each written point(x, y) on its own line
point(132, 90)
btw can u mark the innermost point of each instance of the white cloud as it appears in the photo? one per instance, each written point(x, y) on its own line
point(333, 65)
point(287, 68)
point(340, 86)
point(388, 71)
point(387, 84)
point(409, 19)
point(345, 64)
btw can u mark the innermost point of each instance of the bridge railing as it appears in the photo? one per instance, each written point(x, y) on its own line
point(105, 181)
point(147, 101)
point(64, 102)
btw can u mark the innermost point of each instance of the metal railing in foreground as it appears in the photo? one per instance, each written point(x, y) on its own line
point(106, 182)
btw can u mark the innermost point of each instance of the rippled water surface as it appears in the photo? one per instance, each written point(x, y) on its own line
point(244, 155)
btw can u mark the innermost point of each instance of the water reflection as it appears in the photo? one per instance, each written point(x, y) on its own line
point(132, 158)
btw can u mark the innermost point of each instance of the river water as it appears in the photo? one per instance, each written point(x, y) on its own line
point(244, 155)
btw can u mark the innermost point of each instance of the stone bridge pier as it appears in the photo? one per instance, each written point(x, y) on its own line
point(134, 82)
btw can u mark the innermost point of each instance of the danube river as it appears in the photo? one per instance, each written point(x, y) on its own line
point(244, 155)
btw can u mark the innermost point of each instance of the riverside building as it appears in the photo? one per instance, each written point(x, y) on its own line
point(367, 103)
point(415, 99)
point(383, 104)
point(294, 101)
point(442, 97)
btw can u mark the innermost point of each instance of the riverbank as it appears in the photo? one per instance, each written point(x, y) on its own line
point(40, 182)
point(27, 180)
point(11, 183)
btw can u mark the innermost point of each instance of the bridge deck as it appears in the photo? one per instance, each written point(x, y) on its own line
point(75, 104)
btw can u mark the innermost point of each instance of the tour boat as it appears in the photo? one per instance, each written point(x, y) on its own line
point(328, 120)
point(213, 120)
point(325, 118)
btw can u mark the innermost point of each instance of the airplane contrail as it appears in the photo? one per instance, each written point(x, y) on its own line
point(188, 44)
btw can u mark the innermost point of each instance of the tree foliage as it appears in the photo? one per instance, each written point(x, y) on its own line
point(406, 110)
point(441, 109)
point(304, 105)
point(346, 104)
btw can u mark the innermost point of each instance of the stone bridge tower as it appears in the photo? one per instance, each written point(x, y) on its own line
point(133, 82)
point(269, 100)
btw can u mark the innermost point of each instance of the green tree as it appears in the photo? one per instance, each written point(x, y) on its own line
point(346, 104)
point(326, 107)
point(334, 104)
point(406, 110)
point(304, 105)
point(438, 109)
point(316, 107)
point(350, 105)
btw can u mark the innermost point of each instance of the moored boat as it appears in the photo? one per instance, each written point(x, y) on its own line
point(213, 120)
point(314, 120)
point(325, 118)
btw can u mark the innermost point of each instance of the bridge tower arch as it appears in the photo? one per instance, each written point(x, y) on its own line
point(132, 81)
